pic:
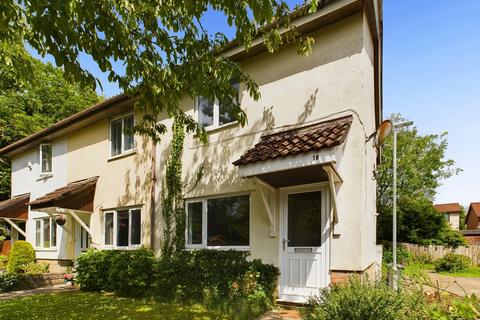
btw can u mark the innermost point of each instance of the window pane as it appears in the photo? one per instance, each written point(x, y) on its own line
point(46, 233)
point(194, 223)
point(109, 228)
point(205, 112)
point(305, 219)
point(128, 138)
point(228, 221)
point(116, 137)
point(38, 233)
point(53, 230)
point(122, 228)
point(227, 108)
point(46, 158)
point(135, 226)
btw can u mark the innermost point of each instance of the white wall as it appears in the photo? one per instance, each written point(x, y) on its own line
point(26, 178)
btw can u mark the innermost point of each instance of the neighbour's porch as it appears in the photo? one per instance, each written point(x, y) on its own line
point(296, 174)
point(71, 207)
point(14, 214)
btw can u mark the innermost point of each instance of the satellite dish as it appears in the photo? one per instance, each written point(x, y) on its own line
point(382, 133)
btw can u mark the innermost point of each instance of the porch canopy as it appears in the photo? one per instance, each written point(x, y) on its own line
point(298, 156)
point(75, 199)
point(14, 210)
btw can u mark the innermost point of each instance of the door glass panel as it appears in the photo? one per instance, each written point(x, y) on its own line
point(305, 219)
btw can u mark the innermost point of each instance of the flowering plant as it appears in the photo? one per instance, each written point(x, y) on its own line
point(68, 276)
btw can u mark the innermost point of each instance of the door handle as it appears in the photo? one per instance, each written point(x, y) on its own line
point(284, 242)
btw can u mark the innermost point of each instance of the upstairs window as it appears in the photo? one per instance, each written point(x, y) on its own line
point(212, 114)
point(121, 141)
point(46, 159)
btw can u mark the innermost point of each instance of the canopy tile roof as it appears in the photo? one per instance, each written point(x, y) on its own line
point(65, 194)
point(448, 207)
point(15, 207)
point(314, 137)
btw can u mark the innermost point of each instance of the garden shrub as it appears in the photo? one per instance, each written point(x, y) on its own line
point(131, 272)
point(9, 281)
point(3, 262)
point(94, 268)
point(467, 308)
point(357, 300)
point(21, 255)
point(37, 268)
point(221, 280)
point(452, 262)
point(403, 255)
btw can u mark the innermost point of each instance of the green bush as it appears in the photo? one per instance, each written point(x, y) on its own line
point(221, 280)
point(37, 268)
point(357, 300)
point(403, 255)
point(21, 255)
point(452, 262)
point(94, 268)
point(3, 262)
point(9, 281)
point(131, 272)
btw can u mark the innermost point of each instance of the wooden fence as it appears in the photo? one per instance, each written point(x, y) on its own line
point(436, 252)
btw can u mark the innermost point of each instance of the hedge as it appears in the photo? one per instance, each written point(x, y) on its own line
point(224, 280)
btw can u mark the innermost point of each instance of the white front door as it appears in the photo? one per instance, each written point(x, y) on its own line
point(303, 242)
point(82, 240)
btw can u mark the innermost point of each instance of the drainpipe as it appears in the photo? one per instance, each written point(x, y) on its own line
point(153, 181)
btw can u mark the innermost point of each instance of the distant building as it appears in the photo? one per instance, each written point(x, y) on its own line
point(472, 220)
point(451, 212)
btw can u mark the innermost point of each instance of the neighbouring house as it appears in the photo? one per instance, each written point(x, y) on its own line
point(451, 212)
point(294, 187)
point(472, 220)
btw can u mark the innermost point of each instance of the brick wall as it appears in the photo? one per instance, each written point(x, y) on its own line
point(6, 246)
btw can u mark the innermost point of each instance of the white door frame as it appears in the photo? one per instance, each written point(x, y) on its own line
point(324, 249)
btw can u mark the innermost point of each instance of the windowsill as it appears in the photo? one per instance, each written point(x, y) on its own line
point(52, 249)
point(44, 176)
point(132, 247)
point(221, 248)
point(122, 155)
point(213, 129)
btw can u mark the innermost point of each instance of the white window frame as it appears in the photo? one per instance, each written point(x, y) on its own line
point(122, 150)
point(204, 201)
point(114, 245)
point(53, 224)
point(216, 114)
point(46, 173)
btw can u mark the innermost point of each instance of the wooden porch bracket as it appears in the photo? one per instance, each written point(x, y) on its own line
point(52, 211)
point(269, 205)
point(14, 225)
point(333, 178)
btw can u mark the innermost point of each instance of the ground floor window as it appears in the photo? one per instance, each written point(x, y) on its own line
point(218, 222)
point(122, 227)
point(45, 233)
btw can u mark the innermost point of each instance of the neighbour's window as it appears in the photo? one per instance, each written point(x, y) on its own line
point(446, 216)
point(120, 140)
point(45, 233)
point(45, 158)
point(219, 222)
point(216, 113)
point(122, 228)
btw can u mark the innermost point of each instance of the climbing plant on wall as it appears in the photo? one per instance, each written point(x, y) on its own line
point(173, 211)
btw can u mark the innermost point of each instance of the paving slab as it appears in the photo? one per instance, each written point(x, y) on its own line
point(50, 289)
point(290, 314)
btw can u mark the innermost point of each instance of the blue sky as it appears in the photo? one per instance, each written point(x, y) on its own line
point(431, 76)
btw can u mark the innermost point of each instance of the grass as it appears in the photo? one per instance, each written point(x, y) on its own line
point(83, 305)
point(415, 269)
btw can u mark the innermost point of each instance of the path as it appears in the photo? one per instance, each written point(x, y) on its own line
point(290, 314)
point(457, 285)
point(51, 289)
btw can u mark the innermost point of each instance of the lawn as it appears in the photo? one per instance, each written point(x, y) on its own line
point(417, 268)
point(82, 305)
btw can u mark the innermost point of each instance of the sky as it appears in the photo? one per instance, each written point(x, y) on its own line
point(431, 76)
